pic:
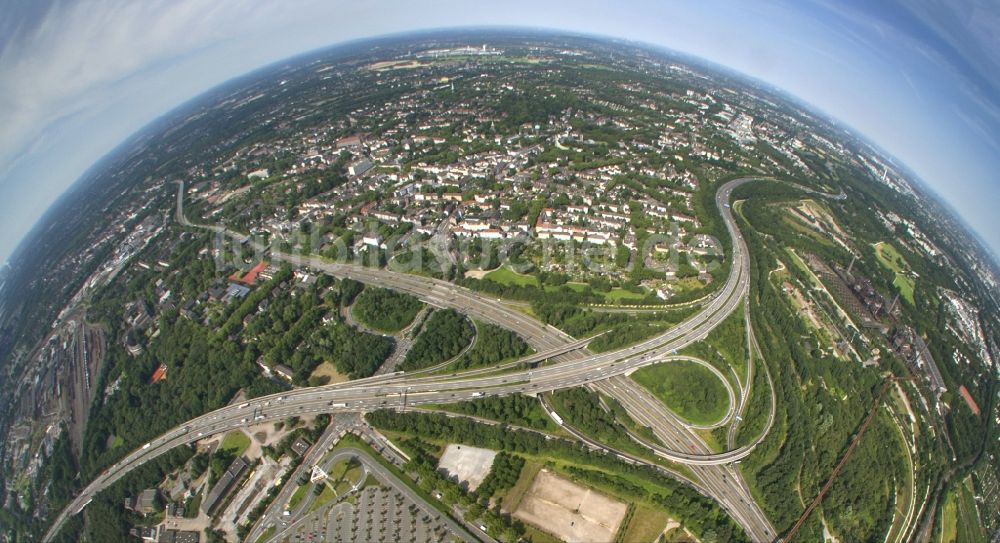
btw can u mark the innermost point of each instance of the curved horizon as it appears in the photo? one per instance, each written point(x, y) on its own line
point(124, 95)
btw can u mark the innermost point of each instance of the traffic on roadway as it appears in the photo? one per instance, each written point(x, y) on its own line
point(573, 367)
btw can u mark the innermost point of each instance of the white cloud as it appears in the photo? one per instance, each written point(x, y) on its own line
point(50, 71)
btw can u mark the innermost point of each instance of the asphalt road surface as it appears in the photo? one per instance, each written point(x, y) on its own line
point(399, 391)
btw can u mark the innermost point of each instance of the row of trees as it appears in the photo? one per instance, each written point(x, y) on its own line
point(624, 329)
point(503, 474)
point(516, 409)
point(493, 344)
point(817, 416)
point(696, 512)
point(582, 410)
point(429, 479)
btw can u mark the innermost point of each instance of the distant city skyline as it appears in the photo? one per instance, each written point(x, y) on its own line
point(921, 81)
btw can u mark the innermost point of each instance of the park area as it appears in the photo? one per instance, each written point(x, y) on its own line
point(235, 442)
point(959, 517)
point(687, 388)
point(890, 258)
point(569, 511)
point(506, 276)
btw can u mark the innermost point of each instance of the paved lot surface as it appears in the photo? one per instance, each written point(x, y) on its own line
point(467, 464)
point(569, 511)
point(388, 511)
point(383, 515)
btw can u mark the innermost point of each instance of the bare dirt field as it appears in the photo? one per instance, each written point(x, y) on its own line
point(327, 369)
point(569, 511)
point(467, 464)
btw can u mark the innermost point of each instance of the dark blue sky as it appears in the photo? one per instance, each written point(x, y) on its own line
point(921, 79)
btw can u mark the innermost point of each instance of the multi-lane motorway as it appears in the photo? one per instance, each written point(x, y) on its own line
point(399, 391)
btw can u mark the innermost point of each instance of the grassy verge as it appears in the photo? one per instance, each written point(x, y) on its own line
point(323, 498)
point(646, 525)
point(297, 496)
point(516, 493)
point(507, 276)
point(969, 528)
point(267, 534)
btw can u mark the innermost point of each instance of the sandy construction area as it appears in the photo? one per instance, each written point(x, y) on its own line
point(569, 511)
point(467, 464)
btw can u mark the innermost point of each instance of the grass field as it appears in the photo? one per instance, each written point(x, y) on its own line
point(512, 499)
point(890, 258)
point(323, 498)
point(687, 388)
point(297, 496)
point(345, 475)
point(235, 441)
point(507, 276)
point(949, 519)
point(327, 369)
point(267, 534)
point(572, 285)
point(618, 295)
point(646, 525)
point(969, 529)
point(537, 536)
point(192, 506)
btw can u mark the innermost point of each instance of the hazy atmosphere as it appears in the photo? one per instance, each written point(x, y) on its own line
point(524, 272)
point(920, 79)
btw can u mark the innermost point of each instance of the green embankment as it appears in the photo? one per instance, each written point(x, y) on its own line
point(687, 388)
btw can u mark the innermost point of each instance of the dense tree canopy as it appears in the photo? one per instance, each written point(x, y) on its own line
point(385, 310)
point(445, 334)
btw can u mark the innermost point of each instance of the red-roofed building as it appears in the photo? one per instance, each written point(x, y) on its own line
point(968, 400)
point(251, 275)
point(159, 375)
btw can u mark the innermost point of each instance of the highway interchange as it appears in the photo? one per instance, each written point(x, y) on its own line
point(573, 367)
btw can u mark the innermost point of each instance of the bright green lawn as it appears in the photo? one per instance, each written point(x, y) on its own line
point(506, 276)
point(890, 258)
point(235, 441)
point(297, 496)
point(687, 388)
